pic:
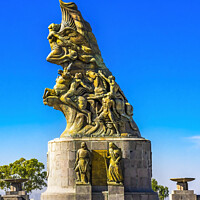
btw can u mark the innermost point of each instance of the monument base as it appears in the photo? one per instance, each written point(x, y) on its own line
point(127, 196)
point(15, 195)
point(136, 167)
point(183, 195)
point(102, 196)
point(83, 192)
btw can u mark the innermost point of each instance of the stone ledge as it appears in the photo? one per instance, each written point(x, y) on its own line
point(68, 139)
point(183, 192)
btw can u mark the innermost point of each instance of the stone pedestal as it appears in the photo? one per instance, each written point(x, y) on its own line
point(183, 195)
point(12, 197)
point(136, 166)
point(83, 192)
point(15, 195)
point(115, 192)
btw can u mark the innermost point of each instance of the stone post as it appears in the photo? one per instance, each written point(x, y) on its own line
point(182, 191)
point(83, 192)
point(105, 195)
point(115, 192)
point(16, 192)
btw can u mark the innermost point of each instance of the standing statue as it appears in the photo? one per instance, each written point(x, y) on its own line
point(115, 91)
point(83, 165)
point(114, 173)
point(99, 84)
point(107, 112)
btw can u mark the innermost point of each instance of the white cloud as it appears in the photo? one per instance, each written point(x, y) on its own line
point(195, 137)
point(195, 140)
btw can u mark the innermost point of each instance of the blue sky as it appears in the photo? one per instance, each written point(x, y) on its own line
point(152, 47)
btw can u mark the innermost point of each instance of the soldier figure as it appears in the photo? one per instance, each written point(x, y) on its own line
point(83, 164)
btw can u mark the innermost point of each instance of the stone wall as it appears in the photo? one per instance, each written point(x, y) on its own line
point(183, 195)
point(136, 165)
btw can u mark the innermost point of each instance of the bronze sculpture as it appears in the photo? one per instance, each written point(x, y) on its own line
point(97, 112)
point(114, 172)
point(83, 165)
point(85, 90)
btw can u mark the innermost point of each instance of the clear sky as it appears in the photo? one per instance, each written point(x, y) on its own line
point(152, 47)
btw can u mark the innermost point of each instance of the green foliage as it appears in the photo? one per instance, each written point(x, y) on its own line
point(154, 185)
point(32, 169)
point(162, 191)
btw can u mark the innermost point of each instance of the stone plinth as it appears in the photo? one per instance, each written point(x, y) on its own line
point(14, 197)
point(21, 195)
point(183, 195)
point(16, 192)
point(83, 192)
point(182, 191)
point(115, 192)
point(136, 165)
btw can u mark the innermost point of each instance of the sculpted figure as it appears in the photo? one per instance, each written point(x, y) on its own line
point(122, 107)
point(73, 91)
point(58, 51)
point(110, 130)
point(85, 91)
point(83, 164)
point(68, 45)
point(53, 29)
point(115, 91)
point(98, 82)
point(107, 112)
point(62, 85)
point(77, 81)
point(114, 173)
point(82, 104)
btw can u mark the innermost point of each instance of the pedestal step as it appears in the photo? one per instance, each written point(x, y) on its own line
point(127, 196)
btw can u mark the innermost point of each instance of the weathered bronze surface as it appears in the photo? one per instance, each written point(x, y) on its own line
point(114, 172)
point(83, 165)
point(85, 90)
point(99, 168)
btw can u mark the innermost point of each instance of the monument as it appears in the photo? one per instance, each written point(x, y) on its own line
point(16, 191)
point(182, 192)
point(101, 154)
